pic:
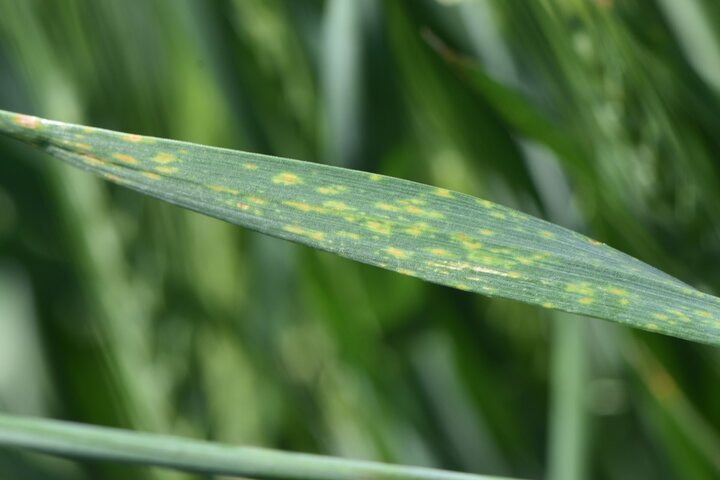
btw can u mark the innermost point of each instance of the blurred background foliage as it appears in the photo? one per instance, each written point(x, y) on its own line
point(116, 309)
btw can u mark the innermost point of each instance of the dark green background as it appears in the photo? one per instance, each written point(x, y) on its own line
point(118, 310)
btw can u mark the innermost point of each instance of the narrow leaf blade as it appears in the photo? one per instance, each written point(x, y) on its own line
point(431, 233)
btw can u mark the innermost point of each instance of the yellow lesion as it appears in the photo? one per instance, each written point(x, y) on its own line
point(462, 286)
point(547, 234)
point(331, 190)
point(660, 316)
point(499, 215)
point(416, 229)
point(586, 301)
point(164, 158)
point(152, 175)
point(439, 252)
point(92, 161)
point(132, 138)
point(257, 200)
point(250, 166)
point(27, 121)
point(548, 305)
point(221, 189)
point(486, 232)
point(166, 170)
point(242, 206)
point(702, 313)
point(387, 207)
point(378, 227)
point(486, 203)
point(412, 209)
point(125, 158)
point(304, 207)
point(335, 205)
point(397, 252)
point(651, 326)
point(312, 234)
point(582, 288)
point(286, 178)
point(617, 291)
point(82, 146)
point(443, 192)
point(624, 301)
point(375, 177)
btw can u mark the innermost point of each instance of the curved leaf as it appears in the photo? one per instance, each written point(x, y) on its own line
point(432, 233)
point(86, 441)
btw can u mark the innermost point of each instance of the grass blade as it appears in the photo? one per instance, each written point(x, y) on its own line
point(435, 234)
point(91, 442)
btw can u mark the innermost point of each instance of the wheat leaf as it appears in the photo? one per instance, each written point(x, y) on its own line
point(91, 442)
point(431, 233)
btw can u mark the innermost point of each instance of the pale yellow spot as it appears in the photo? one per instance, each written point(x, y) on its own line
point(125, 158)
point(418, 201)
point(499, 215)
point(83, 146)
point(305, 207)
point(405, 271)
point(525, 260)
point(332, 190)
point(440, 252)
point(423, 213)
point(651, 326)
point(92, 161)
point(286, 178)
point(151, 175)
point(624, 301)
point(375, 177)
point(583, 288)
point(387, 207)
point(462, 286)
point(548, 305)
point(350, 235)
point(486, 203)
point(294, 229)
point(547, 234)
point(514, 275)
point(257, 200)
point(242, 206)
point(340, 206)
point(586, 301)
point(312, 234)
point(397, 253)
point(26, 121)
point(443, 192)
point(486, 232)
point(472, 245)
point(112, 178)
point(660, 316)
point(221, 189)
point(132, 138)
point(680, 315)
point(250, 166)
point(702, 313)
point(378, 227)
point(166, 170)
point(164, 158)
point(617, 291)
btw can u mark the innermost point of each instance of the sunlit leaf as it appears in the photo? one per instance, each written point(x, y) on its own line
point(431, 233)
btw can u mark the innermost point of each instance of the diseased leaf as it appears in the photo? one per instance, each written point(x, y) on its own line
point(431, 233)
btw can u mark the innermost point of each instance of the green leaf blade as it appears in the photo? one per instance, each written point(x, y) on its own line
point(91, 442)
point(431, 233)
